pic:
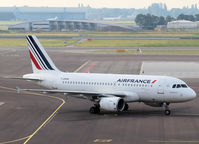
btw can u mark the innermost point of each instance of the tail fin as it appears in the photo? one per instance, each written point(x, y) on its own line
point(39, 58)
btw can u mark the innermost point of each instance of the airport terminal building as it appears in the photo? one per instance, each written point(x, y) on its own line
point(55, 19)
point(182, 24)
point(69, 25)
point(39, 13)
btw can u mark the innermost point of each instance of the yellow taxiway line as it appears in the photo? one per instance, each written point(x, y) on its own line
point(102, 140)
point(49, 118)
point(12, 141)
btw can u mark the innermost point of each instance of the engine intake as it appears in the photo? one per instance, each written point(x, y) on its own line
point(112, 104)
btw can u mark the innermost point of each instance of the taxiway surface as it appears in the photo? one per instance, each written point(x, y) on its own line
point(23, 116)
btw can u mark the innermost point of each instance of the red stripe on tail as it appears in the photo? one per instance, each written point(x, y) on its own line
point(34, 61)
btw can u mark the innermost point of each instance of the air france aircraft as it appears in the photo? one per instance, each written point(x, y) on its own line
point(110, 92)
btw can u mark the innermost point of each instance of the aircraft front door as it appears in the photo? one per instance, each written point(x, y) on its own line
point(160, 89)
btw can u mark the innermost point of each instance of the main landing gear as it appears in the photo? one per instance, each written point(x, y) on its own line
point(95, 109)
point(166, 111)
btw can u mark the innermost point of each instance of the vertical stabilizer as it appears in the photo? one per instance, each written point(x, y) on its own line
point(39, 58)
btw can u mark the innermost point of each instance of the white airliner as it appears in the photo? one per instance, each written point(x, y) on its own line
point(110, 92)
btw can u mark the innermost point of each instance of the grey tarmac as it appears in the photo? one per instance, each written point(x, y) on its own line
point(22, 114)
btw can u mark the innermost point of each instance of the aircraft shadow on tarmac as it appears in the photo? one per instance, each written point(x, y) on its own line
point(84, 115)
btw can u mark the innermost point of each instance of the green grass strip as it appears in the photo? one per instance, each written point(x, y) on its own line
point(152, 52)
point(44, 42)
point(139, 43)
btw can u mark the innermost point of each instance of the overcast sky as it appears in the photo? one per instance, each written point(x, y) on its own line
point(99, 3)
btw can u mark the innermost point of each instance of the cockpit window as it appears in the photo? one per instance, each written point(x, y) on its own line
point(183, 85)
point(178, 86)
point(174, 86)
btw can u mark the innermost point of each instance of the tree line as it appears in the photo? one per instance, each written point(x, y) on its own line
point(149, 21)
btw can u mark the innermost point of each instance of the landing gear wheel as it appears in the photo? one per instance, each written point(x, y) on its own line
point(126, 107)
point(167, 112)
point(94, 110)
point(97, 109)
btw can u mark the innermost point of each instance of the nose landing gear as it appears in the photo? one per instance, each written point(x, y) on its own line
point(167, 111)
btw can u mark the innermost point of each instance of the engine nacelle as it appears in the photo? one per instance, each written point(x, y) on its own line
point(112, 104)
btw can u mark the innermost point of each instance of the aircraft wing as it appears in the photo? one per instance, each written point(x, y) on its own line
point(83, 93)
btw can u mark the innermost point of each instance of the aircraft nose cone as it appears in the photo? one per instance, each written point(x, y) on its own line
point(192, 94)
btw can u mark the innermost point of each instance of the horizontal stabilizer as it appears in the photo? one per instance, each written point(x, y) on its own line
point(21, 78)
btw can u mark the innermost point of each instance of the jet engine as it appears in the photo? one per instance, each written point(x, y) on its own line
point(112, 104)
